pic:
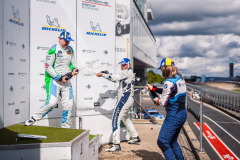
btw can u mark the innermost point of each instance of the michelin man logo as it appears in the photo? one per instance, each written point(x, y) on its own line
point(97, 28)
point(62, 36)
point(163, 63)
point(15, 13)
point(52, 23)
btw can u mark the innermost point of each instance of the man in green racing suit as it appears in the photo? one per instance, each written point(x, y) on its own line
point(59, 61)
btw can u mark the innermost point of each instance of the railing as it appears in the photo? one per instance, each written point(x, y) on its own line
point(139, 99)
point(224, 99)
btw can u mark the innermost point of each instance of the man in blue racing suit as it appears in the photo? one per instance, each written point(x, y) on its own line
point(126, 80)
point(172, 96)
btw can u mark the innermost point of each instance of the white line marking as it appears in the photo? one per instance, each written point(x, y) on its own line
point(207, 105)
point(221, 128)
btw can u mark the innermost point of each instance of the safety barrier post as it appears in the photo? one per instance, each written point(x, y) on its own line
point(201, 125)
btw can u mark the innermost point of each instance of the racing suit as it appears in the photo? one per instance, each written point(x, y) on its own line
point(59, 61)
point(173, 98)
point(125, 100)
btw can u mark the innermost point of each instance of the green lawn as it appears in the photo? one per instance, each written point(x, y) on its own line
point(8, 134)
point(237, 90)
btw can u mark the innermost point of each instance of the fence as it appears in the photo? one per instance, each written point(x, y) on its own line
point(228, 100)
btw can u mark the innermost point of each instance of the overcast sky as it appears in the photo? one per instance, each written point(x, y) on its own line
point(200, 36)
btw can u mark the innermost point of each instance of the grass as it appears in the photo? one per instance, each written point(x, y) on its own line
point(91, 137)
point(8, 134)
point(237, 90)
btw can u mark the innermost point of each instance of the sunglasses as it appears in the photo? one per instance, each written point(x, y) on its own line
point(122, 65)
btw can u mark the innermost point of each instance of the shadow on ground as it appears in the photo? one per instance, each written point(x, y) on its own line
point(146, 155)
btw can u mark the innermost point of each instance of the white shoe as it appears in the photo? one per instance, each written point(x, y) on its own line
point(30, 122)
point(134, 140)
point(115, 147)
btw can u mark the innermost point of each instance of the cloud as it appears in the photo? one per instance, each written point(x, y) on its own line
point(211, 46)
point(200, 36)
point(217, 69)
point(204, 17)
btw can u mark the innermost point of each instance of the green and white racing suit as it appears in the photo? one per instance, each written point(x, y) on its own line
point(59, 61)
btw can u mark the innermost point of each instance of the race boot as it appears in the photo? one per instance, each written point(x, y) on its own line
point(113, 148)
point(30, 122)
point(134, 140)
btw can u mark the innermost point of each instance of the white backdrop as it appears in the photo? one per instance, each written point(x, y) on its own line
point(96, 42)
point(48, 19)
point(1, 65)
point(16, 61)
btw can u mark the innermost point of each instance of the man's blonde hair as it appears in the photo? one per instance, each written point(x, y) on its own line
point(170, 71)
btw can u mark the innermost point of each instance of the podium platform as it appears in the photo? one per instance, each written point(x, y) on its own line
point(61, 143)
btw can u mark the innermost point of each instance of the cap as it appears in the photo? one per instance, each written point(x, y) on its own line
point(65, 35)
point(125, 61)
point(166, 62)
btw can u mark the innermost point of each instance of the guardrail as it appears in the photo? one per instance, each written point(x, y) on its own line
point(228, 100)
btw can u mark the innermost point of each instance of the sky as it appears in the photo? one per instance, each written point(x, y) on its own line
point(200, 36)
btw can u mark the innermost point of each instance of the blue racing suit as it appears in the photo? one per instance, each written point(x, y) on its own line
point(173, 98)
point(126, 80)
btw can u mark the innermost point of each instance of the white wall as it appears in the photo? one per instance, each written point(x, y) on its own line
point(61, 13)
point(1, 64)
point(95, 95)
point(16, 61)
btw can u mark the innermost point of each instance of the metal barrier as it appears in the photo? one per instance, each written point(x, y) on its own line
point(225, 99)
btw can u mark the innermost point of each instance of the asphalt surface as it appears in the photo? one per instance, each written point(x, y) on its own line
point(231, 125)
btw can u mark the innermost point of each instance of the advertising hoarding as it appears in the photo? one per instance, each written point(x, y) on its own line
point(58, 16)
point(16, 61)
point(96, 52)
point(1, 65)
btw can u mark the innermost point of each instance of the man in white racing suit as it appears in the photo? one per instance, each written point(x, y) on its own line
point(126, 80)
point(59, 61)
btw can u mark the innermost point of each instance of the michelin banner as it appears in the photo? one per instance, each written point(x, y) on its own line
point(96, 52)
point(16, 61)
point(48, 20)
